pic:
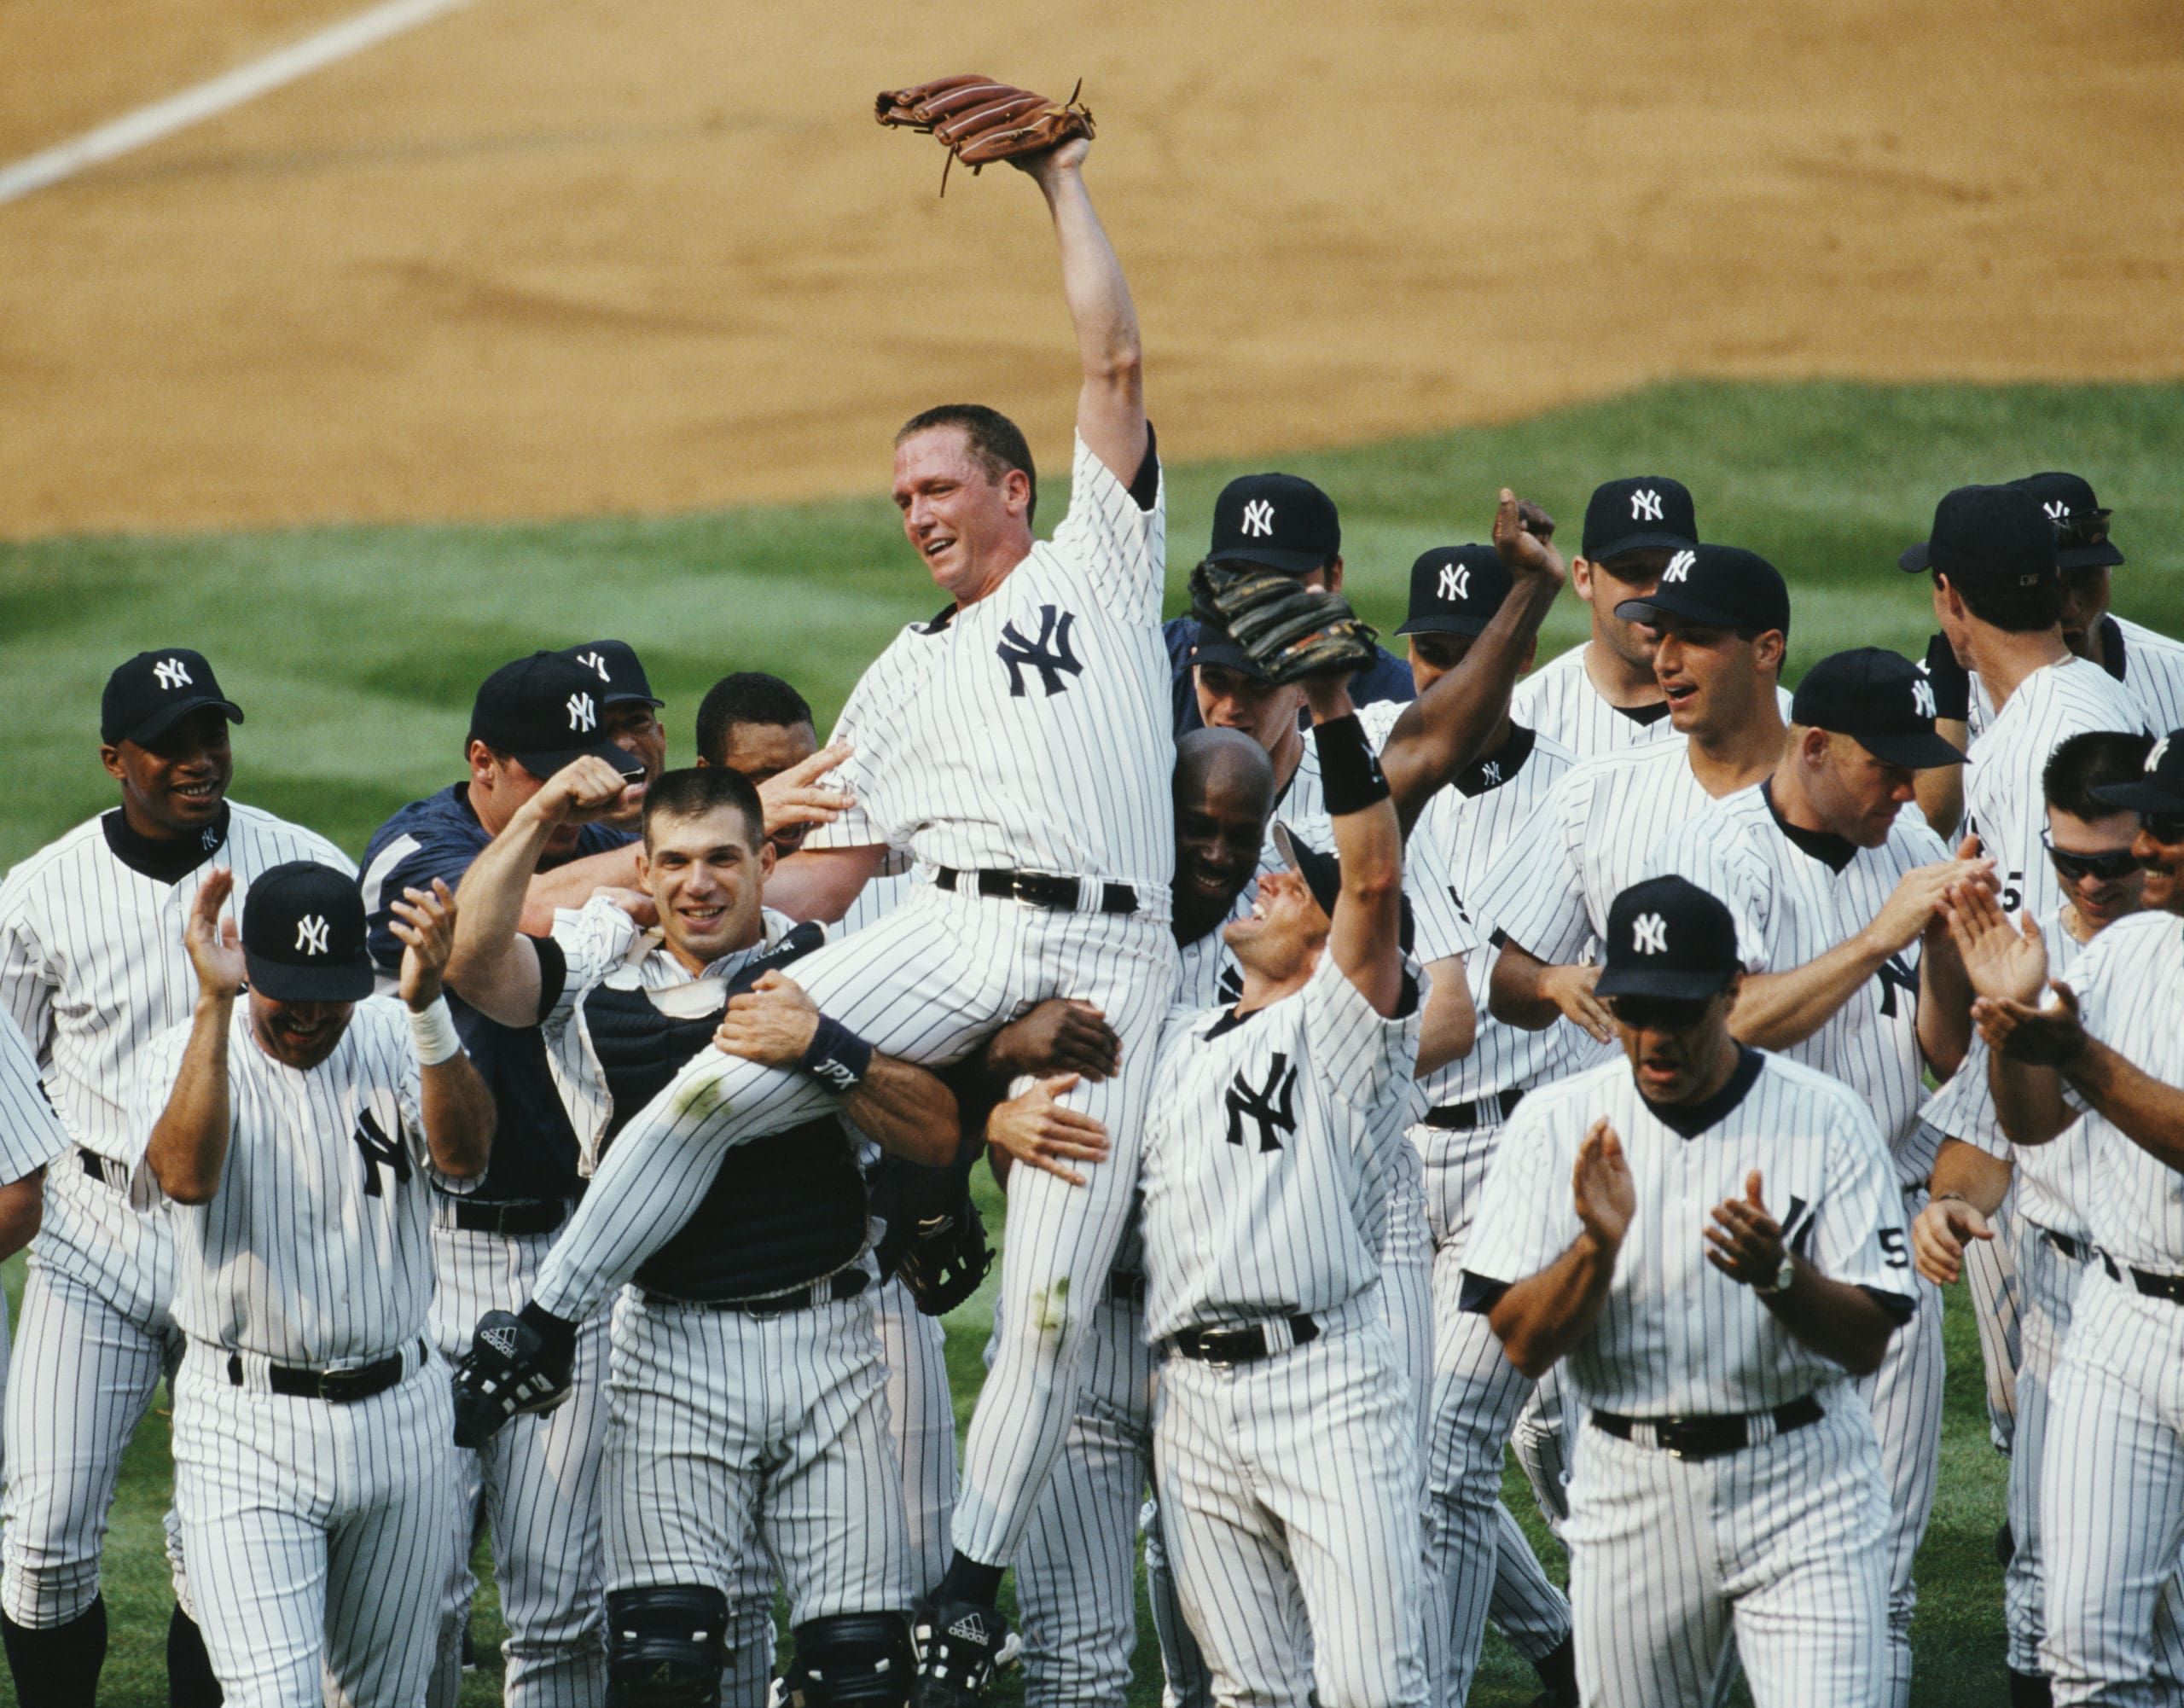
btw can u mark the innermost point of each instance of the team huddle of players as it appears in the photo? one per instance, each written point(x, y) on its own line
point(1382, 1067)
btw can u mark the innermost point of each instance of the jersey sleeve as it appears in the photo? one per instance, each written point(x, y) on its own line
point(1526, 1216)
point(1964, 1107)
point(1357, 1053)
point(411, 860)
point(1702, 851)
point(1534, 895)
point(155, 1068)
point(1439, 926)
point(1857, 1233)
point(592, 940)
point(863, 774)
point(1118, 545)
point(31, 1134)
point(28, 975)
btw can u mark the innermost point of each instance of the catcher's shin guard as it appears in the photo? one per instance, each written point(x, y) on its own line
point(853, 1660)
point(666, 1647)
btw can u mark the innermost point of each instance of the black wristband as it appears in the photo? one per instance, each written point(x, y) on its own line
point(1951, 681)
point(1349, 776)
point(837, 1057)
point(559, 1333)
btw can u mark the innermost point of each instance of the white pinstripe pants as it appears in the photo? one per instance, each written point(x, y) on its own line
point(921, 1410)
point(1289, 1495)
point(319, 1535)
point(1778, 1544)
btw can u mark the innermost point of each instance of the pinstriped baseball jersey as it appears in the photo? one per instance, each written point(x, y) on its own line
point(1794, 898)
point(1211, 976)
point(1028, 731)
point(2003, 802)
point(1268, 1153)
point(91, 961)
point(316, 1248)
point(2054, 1182)
point(1560, 702)
point(31, 1134)
point(2130, 990)
point(1678, 1337)
point(2148, 663)
point(601, 944)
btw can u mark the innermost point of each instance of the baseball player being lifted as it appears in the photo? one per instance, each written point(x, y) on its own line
point(91, 966)
point(1838, 903)
point(2106, 1050)
point(2045, 1217)
point(1286, 1442)
point(1018, 745)
point(1712, 1237)
point(311, 1422)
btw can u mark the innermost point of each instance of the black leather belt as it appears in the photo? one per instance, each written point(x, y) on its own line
point(1126, 1286)
point(2078, 1251)
point(511, 1219)
point(335, 1387)
point(848, 1284)
point(1465, 1118)
point(1039, 890)
point(1237, 1345)
point(1707, 1437)
point(2171, 1287)
point(104, 1170)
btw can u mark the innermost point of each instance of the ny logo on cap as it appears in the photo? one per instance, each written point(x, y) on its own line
point(1646, 506)
point(310, 934)
point(172, 673)
point(596, 663)
point(2160, 750)
point(1678, 567)
point(1650, 935)
point(1455, 581)
point(2057, 510)
point(1922, 699)
point(581, 718)
point(1258, 518)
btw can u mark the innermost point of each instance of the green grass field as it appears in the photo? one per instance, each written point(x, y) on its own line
point(356, 651)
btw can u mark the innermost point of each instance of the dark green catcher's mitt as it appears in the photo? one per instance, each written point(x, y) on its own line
point(1287, 630)
point(946, 1259)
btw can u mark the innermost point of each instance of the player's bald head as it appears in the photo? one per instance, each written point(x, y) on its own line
point(1224, 764)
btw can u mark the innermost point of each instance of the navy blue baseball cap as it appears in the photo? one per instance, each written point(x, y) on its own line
point(621, 676)
point(2159, 792)
point(1281, 520)
point(544, 710)
point(1666, 937)
point(1992, 537)
point(1455, 591)
point(1215, 646)
point(1881, 701)
point(1322, 875)
point(153, 692)
point(1723, 587)
point(2081, 539)
point(1638, 513)
point(303, 935)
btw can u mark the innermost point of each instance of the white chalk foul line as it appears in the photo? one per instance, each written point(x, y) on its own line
point(230, 89)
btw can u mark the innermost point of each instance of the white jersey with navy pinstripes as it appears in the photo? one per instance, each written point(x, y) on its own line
point(2003, 802)
point(31, 1134)
point(1790, 907)
point(92, 966)
point(1029, 731)
point(1548, 890)
point(315, 1248)
point(2130, 990)
point(1677, 1337)
point(1210, 978)
point(1268, 1153)
point(2152, 673)
point(1560, 702)
point(2053, 1181)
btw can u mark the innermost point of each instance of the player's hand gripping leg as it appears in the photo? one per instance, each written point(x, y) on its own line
point(516, 1365)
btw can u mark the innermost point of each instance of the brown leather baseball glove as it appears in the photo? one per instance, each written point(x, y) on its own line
point(979, 121)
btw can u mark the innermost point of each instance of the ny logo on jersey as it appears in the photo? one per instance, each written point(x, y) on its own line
point(310, 934)
point(1678, 567)
point(1258, 518)
point(171, 673)
point(379, 1152)
point(581, 717)
point(1490, 774)
point(1798, 1225)
point(1646, 505)
point(1272, 1105)
point(209, 837)
point(595, 662)
point(1922, 699)
point(1050, 654)
point(1649, 934)
point(1455, 581)
point(1894, 975)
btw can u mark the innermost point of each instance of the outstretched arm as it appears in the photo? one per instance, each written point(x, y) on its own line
point(188, 1148)
point(1366, 938)
point(1110, 408)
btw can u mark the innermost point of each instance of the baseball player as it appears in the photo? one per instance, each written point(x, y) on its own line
point(1998, 598)
point(311, 1422)
point(1285, 1444)
point(1018, 747)
point(91, 966)
point(1284, 523)
point(31, 1137)
point(2045, 1218)
point(1728, 1249)
point(2112, 1498)
point(759, 725)
point(537, 1484)
point(1839, 901)
point(1722, 618)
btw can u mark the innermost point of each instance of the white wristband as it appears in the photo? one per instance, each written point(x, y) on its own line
point(434, 1035)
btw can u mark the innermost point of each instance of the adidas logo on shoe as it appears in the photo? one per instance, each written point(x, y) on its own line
point(502, 1340)
point(972, 1628)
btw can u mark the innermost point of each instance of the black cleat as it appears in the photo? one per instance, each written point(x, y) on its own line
point(959, 1644)
point(508, 1374)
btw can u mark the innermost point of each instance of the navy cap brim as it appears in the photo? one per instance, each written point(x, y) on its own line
point(1288, 563)
point(1645, 542)
point(168, 716)
point(348, 981)
point(2102, 556)
point(1915, 750)
point(1222, 653)
point(1681, 604)
point(1322, 873)
point(1445, 623)
point(542, 764)
point(1677, 983)
point(2144, 796)
point(650, 699)
point(1913, 561)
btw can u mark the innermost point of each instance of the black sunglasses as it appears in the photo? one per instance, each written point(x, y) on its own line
point(2084, 528)
point(2107, 868)
point(1659, 1014)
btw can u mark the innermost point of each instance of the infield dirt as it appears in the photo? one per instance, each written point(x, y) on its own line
point(561, 257)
